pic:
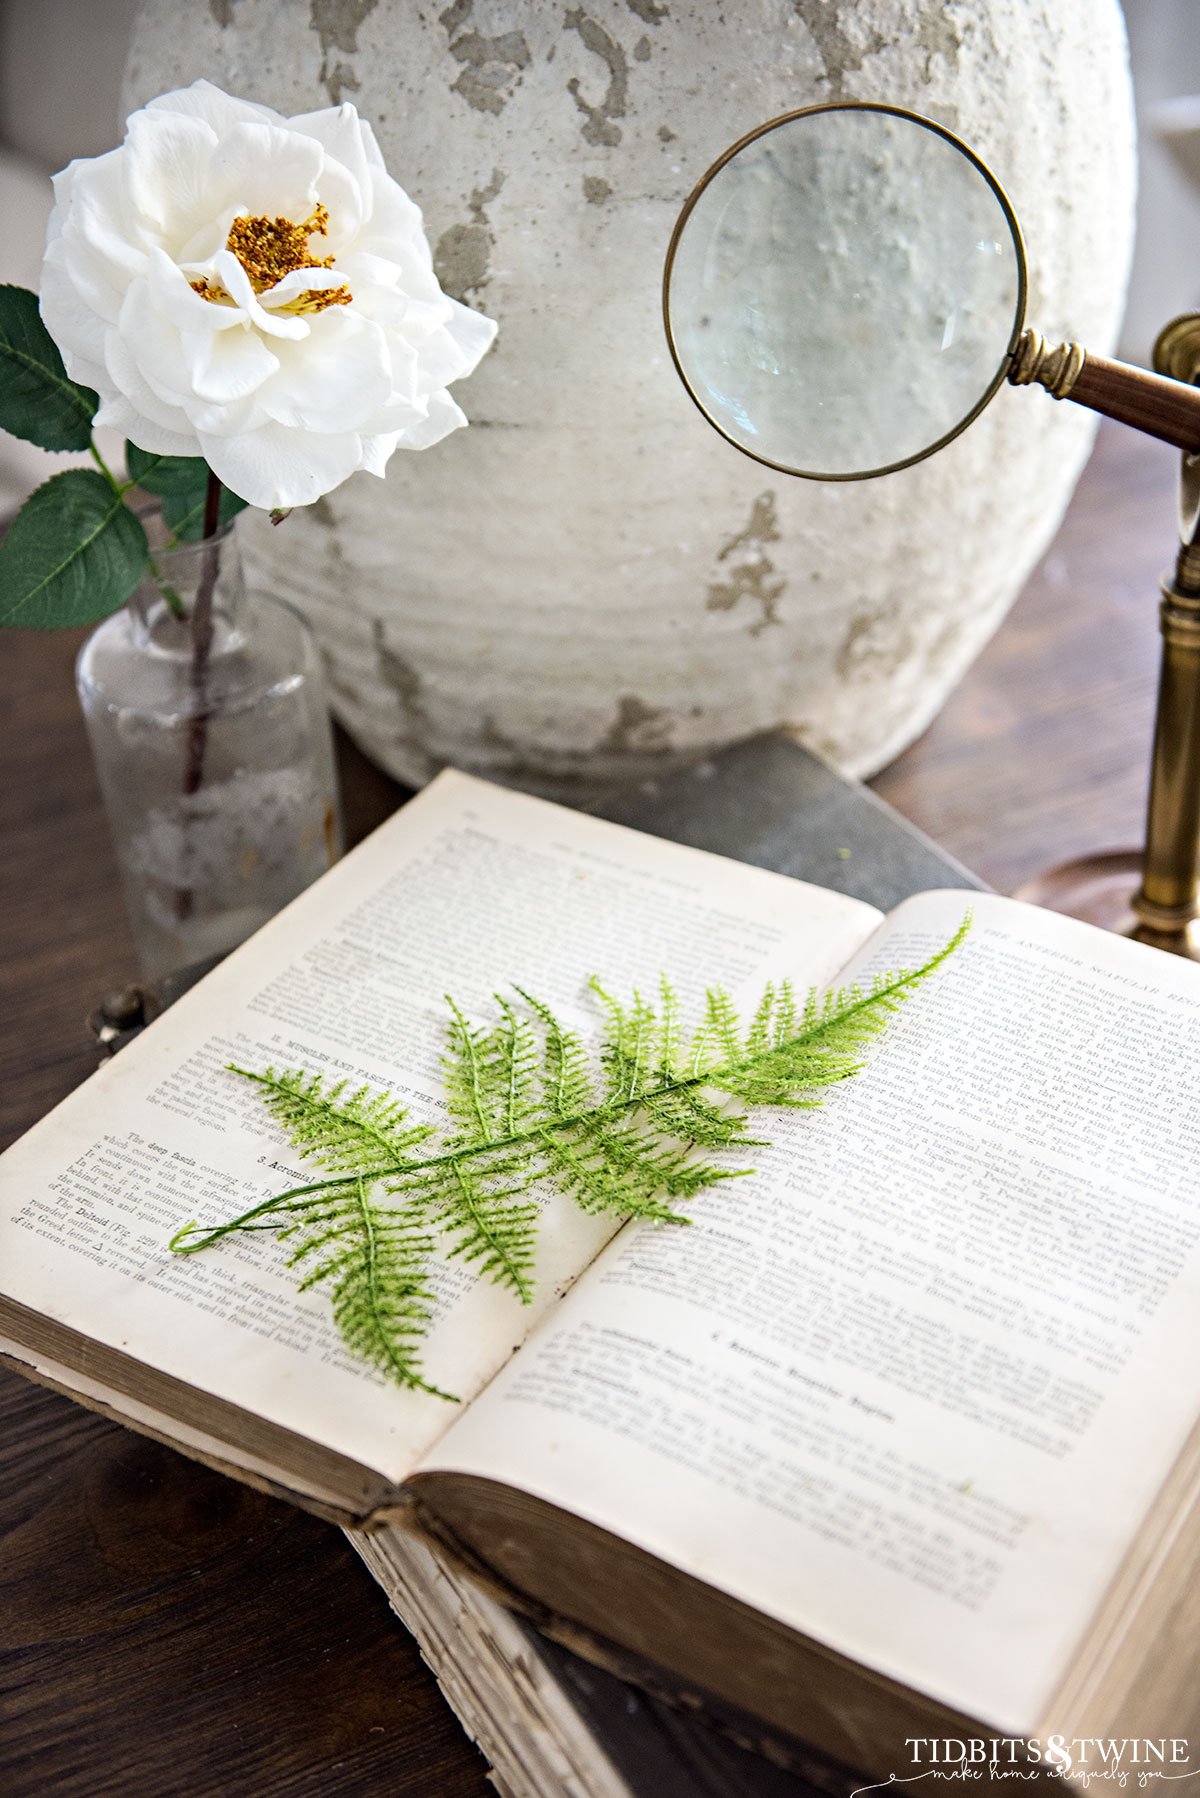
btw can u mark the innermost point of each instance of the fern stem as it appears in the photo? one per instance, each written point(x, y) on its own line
point(214, 1231)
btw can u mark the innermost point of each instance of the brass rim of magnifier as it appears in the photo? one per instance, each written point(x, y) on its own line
point(897, 112)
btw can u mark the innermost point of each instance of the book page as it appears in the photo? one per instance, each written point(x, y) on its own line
point(913, 1388)
point(469, 888)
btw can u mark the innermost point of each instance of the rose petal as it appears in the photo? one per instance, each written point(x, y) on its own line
point(98, 227)
point(377, 452)
point(155, 346)
point(444, 417)
point(197, 253)
point(126, 382)
point(396, 219)
point(473, 334)
point(168, 174)
point(220, 110)
point(174, 296)
point(347, 143)
point(236, 282)
point(339, 377)
point(410, 263)
point(223, 366)
point(267, 171)
point(119, 414)
point(225, 418)
point(76, 327)
point(345, 201)
point(278, 467)
point(301, 280)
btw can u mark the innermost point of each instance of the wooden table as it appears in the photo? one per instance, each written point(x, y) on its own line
point(163, 1630)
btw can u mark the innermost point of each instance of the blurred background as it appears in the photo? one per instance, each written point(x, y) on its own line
point(61, 64)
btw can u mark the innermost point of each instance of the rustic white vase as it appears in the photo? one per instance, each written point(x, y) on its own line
point(588, 583)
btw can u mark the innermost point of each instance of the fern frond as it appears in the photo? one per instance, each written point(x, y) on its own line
point(517, 1051)
point(828, 1047)
point(584, 1167)
point(474, 1097)
point(525, 1113)
point(627, 1051)
point(668, 1044)
point(346, 1132)
point(491, 1075)
point(683, 1111)
point(478, 1205)
point(566, 1077)
point(722, 1026)
point(374, 1261)
point(761, 1034)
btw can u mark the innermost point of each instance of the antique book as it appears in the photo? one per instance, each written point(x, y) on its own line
point(897, 1440)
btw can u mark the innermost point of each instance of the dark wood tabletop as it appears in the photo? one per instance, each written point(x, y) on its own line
point(163, 1630)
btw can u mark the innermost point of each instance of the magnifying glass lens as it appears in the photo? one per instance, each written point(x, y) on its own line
point(843, 291)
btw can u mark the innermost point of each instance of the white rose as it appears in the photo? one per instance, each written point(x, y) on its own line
point(257, 291)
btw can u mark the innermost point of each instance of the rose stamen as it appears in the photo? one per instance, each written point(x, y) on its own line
point(270, 248)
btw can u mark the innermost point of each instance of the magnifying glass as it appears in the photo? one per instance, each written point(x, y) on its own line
point(845, 291)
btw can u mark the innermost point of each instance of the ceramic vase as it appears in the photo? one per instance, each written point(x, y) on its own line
point(588, 584)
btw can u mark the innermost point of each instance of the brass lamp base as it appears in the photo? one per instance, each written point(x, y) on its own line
point(1100, 890)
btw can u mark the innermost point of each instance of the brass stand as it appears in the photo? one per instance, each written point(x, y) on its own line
point(1164, 909)
point(1165, 904)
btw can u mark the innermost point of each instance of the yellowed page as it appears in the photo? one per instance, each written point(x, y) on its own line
point(469, 888)
point(913, 1387)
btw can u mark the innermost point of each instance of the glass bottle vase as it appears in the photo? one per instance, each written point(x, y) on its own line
point(208, 722)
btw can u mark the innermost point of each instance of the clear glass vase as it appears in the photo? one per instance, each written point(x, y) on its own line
point(209, 727)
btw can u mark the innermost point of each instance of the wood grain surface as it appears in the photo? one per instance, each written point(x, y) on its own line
point(165, 1631)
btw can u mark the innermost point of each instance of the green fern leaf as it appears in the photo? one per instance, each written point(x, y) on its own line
point(374, 1261)
point(525, 1115)
point(685, 1113)
point(566, 1077)
point(345, 1132)
point(583, 1166)
point(723, 1030)
point(491, 1075)
point(628, 1050)
point(477, 1203)
point(666, 1067)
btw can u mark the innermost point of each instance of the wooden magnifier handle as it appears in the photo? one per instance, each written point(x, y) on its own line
point(1151, 403)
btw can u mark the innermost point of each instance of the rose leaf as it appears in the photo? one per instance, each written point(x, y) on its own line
point(38, 400)
point(73, 554)
point(185, 513)
point(181, 482)
point(182, 476)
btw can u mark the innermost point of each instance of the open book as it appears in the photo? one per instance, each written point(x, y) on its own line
point(896, 1438)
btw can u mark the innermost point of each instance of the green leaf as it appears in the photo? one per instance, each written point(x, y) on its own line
point(374, 1262)
point(181, 482)
point(182, 475)
point(73, 554)
point(348, 1132)
point(185, 516)
point(38, 399)
point(488, 1228)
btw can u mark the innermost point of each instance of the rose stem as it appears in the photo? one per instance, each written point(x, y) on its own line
point(202, 632)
